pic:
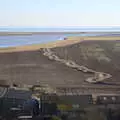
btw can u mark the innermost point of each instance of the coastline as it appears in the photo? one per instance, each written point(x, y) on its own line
point(58, 43)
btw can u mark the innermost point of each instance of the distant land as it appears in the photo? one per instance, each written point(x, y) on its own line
point(61, 29)
point(66, 32)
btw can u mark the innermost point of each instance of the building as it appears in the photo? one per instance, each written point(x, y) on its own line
point(13, 98)
point(64, 103)
point(108, 99)
point(75, 102)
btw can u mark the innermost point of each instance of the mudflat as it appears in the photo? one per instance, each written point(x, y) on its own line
point(24, 65)
point(68, 41)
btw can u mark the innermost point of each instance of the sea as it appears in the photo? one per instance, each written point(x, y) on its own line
point(21, 40)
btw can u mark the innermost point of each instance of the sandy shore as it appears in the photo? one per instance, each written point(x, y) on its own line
point(70, 40)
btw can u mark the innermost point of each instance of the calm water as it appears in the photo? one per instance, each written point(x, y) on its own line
point(10, 41)
point(67, 29)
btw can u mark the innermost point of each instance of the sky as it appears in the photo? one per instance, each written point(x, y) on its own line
point(59, 13)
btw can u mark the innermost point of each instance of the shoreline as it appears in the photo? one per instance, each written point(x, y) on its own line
point(58, 43)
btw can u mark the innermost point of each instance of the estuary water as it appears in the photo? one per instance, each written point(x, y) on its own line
point(20, 40)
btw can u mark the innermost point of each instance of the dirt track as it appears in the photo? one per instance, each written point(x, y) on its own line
point(97, 76)
point(32, 67)
point(101, 56)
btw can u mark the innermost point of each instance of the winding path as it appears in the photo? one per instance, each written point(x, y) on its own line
point(97, 76)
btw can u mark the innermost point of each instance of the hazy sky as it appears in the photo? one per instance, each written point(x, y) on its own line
point(59, 13)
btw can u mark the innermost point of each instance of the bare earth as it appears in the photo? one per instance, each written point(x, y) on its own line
point(28, 65)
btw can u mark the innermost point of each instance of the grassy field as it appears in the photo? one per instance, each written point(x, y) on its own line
point(70, 40)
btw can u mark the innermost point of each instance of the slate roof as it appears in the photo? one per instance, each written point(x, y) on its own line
point(18, 94)
point(76, 99)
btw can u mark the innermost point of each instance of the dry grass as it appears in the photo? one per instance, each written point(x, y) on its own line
point(70, 40)
point(95, 38)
